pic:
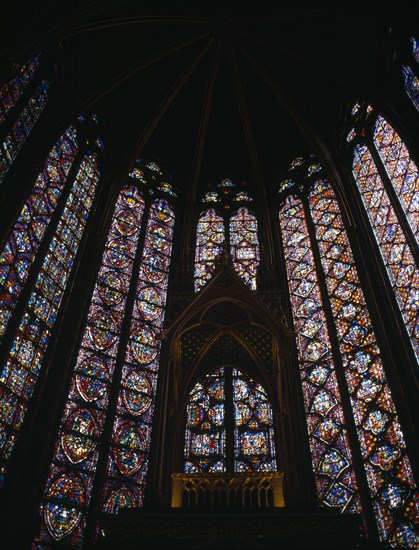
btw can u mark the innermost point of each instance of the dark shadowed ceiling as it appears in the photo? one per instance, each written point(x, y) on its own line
point(213, 89)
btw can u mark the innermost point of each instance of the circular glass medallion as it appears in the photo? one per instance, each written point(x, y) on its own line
point(80, 435)
point(64, 502)
point(102, 330)
point(110, 288)
point(118, 253)
point(143, 345)
point(129, 447)
point(126, 222)
point(137, 393)
point(160, 236)
point(154, 268)
point(91, 378)
point(149, 303)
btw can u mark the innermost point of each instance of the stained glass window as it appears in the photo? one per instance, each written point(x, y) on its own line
point(131, 437)
point(411, 85)
point(205, 426)
point(12, 91)
point(22, 127)
point(227, 228)
point(401, 169)
point(244, 245)
point(415, 48)
point(26, 235)
point(76, 449)
point(395, 251)
point(209, 245)
point(139, 235)
point(328, 435)
point(387, 466)
point(229, 410)
point(24, 361)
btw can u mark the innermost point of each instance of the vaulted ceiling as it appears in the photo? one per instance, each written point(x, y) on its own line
point(212, 89)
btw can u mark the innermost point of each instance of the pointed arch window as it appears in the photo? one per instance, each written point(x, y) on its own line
point(411, 80)
point(388, 184)
point(229, 425)
point(18, 129)
point(25, 237)
point(23, 349)
point(11, 92)
point(115, 375)
point(228, 226)
point(312, 222)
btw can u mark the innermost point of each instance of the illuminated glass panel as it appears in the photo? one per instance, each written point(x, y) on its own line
point(223, 392)
point(128, 458)
point(76, 447)
point(19, 374)
point(12, 91)
point(415, 48)
point(22, 127)
point(205, 435)
point(411, 85)
point(328, 436)
point(383, 448)
point(244, 245)
point(401, 169)
point(25, 237)
point(254, 441)
point(391, 240)
point(209, 245)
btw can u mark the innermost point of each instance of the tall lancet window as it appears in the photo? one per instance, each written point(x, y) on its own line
point(228, 225)
point(388, 183)
point(229, 425)
point(410, 75)
point(36, 265)
point(330, 313)
point(22, 101)
point(102, 447)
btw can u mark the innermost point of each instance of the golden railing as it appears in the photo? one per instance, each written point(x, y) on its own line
point(234, 491)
